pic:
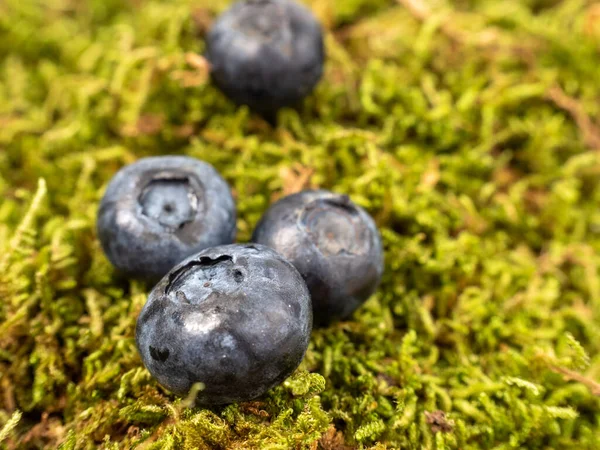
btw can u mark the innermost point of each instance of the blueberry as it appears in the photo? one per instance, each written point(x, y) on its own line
point(158, 211)
point(332, 242)
point(266, 54)
point(236, 318)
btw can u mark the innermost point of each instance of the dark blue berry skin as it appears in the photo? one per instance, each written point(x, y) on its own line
point(236, 318)
point(334, 244)
point(266, 54)
point(158, 211)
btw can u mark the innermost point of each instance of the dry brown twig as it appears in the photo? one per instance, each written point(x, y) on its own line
point(296, 178)
point(571, 375)
point(589, 130)
point(332, 440)
point(438, 421)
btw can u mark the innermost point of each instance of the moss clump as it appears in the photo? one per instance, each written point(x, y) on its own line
point(469, 130)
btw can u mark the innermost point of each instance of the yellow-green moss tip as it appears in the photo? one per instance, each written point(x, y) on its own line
point(470, 130)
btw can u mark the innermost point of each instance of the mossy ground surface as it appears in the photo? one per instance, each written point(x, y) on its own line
point(468, 129)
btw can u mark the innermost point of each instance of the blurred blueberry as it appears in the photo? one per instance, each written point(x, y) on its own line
point(266, 54)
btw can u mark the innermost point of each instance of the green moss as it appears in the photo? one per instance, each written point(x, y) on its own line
point(470, 130)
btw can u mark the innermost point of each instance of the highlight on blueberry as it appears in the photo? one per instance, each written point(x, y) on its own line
point(235, 318)
point(266, 54)
point(160, 210)
point(334, 244)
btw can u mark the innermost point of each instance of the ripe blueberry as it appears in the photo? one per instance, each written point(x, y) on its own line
point(158, 211)
point(236, 318)
point(332, 242)
point(266, 54)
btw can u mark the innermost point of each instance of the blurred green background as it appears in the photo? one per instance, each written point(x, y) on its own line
point(470, 130)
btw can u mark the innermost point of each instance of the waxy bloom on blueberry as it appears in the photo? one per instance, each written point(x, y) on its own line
point(332, 242)
point(235, 318)
point(160, 210)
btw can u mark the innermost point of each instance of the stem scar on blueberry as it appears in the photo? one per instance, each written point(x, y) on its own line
point(173, 201)
point(203, 261)
point(333, 226)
